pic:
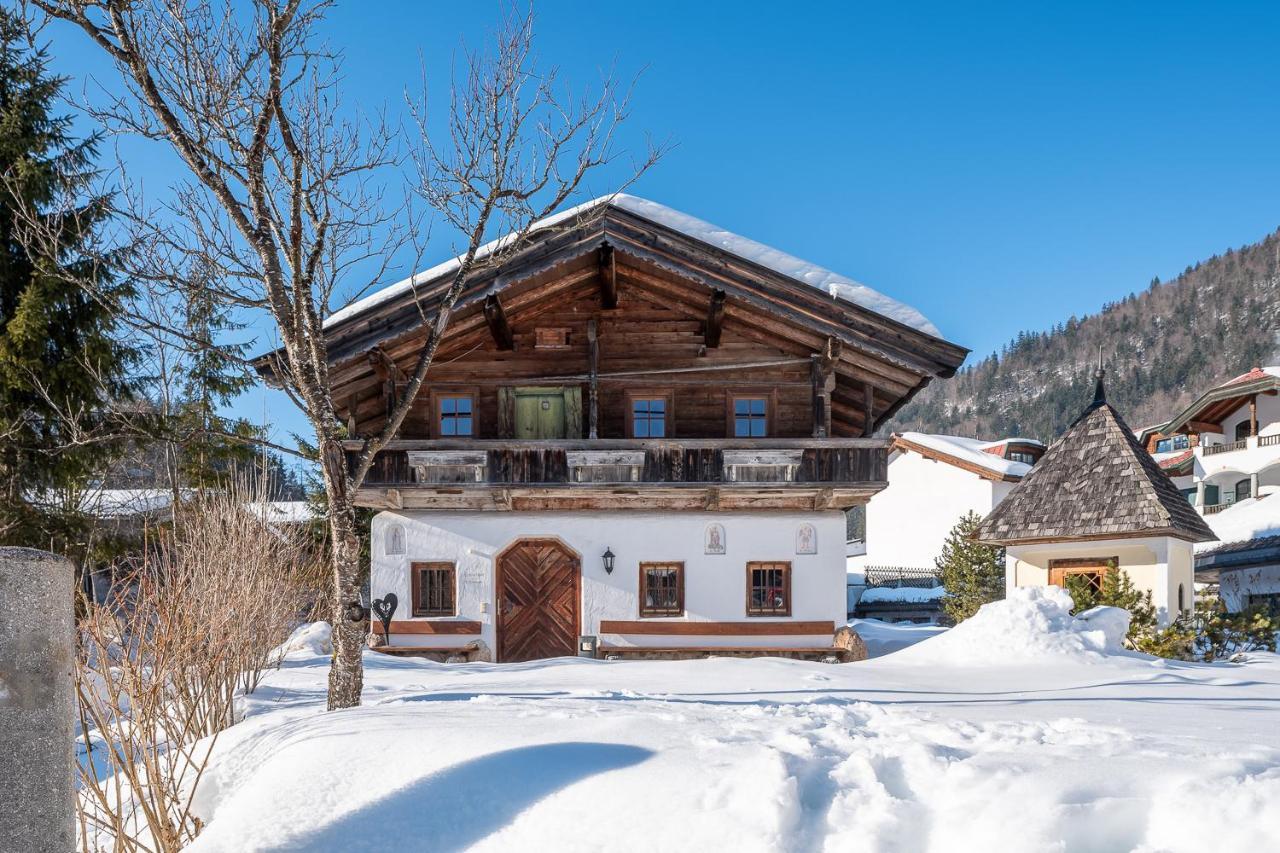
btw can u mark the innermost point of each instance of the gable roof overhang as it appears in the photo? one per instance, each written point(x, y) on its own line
point(1214, 405)
point(897, 359)
point(901, 443)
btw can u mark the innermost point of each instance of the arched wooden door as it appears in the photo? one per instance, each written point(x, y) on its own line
point(538, 585)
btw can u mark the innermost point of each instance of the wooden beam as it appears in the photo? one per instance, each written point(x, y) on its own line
point(715, 629)
point(1253, 415)
point(715, 319)
point(1204, 426)
point(823, 375)
point(868, 410)
point(593, 388)
point(608, 277)
point(435, 626)
point(499, 328)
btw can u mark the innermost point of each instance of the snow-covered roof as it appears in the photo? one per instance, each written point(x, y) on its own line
point(1248, 519)
point(815, 276)
point(283, 512)
point(121, 503)
point(972, 451)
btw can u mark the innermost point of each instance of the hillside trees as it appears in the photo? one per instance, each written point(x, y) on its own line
point(287, 194)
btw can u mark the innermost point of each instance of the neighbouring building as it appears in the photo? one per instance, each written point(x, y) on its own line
point(1094, 503)
point(1245, 563)
point(934, 480)
point(639, 428)
point(1225, 446)
point(1223, 453)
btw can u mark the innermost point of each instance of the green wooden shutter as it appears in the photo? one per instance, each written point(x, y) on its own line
point(573, 412)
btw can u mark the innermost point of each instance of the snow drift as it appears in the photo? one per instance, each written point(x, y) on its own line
point(1033, 622)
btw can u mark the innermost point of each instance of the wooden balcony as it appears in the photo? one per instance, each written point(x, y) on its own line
point(667, 474)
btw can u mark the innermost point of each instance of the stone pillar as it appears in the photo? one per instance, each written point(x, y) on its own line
point(37, 710)
point(1200, 493)
point(1253, 485)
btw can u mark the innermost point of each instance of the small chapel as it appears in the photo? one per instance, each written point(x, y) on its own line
point(1097, 502)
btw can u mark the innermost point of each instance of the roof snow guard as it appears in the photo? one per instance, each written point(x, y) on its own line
point(1095, 482)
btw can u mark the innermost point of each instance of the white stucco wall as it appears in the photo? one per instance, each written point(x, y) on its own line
point(1155, 564)
point(1236, 585)
point(909, 520)
point(715, 585)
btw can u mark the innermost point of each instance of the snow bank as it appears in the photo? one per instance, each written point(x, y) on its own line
point(905, 594)
point(885, 638)
point(836, 285)
point(1247, 519)
point(1032, 623)
point(313, 638)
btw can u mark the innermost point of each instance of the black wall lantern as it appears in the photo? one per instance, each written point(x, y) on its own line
point(608, 560)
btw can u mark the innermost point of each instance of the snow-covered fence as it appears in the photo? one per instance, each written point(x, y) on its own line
point(37, 808)
point(899, 576)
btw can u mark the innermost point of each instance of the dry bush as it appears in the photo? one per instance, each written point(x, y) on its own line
point(193, 624)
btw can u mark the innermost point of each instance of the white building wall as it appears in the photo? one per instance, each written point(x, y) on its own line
point(715, 584)
point(1155, 564)
point(909, 520)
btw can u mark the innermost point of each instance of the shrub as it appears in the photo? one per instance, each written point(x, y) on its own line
point(1117, 590)
point(192, 624)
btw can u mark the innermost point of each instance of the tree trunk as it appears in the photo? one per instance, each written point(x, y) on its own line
point(346, 675)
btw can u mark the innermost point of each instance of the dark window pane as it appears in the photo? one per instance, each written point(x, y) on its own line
point(448, 427)
point(464, 426)
point(464, 405)
point(656, 428)
point(448, 405)
point(657, 406)
point(641, 428)
point(741, 427)
point(757, 428)
point(757, 407)
point(741, 407)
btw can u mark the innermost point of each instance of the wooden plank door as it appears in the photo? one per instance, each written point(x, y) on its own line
point(540, 413)
point(538, 584)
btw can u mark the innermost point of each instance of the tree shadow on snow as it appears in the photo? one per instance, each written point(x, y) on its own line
point(458, 806)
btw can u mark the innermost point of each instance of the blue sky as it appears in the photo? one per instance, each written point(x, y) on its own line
point(998, 166)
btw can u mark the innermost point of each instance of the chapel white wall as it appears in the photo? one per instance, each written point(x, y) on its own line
point(715, 585)
point(1156, 564)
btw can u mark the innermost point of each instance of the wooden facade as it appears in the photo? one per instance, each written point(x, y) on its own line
point(550, 353)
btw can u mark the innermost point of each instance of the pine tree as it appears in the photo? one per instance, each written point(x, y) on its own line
point(1116, 590)
point(60, 355)
point(212, 377)
point(972, 573)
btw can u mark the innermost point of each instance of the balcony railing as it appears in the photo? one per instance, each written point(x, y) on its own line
point(1268, 440)
point(1215, 508)
point(1212, 449)
point(507, 463)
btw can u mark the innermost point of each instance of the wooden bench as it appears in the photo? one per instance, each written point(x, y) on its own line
point(692, 652)
point(432, 652)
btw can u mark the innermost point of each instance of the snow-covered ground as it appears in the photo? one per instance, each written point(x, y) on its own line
point(885, 638)
point(954, 744)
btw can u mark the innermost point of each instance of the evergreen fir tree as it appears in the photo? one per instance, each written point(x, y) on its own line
point(972, 573)
point(212, 377)
point(56, 339)
point(1116, 590)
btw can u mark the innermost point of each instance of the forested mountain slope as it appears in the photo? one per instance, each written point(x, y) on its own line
point(1162, 348)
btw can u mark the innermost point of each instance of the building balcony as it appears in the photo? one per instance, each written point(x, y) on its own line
point(708, 474)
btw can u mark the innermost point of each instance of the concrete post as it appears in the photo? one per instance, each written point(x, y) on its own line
point(37, 711)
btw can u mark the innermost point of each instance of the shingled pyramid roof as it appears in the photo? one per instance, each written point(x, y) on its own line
point(1095, 482)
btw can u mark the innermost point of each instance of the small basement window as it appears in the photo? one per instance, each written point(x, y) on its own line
point(551, 338)
point(434, 586)
point(769, 589)
point(662, 589)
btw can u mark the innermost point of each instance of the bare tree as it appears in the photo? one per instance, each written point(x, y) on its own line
point(286, 200)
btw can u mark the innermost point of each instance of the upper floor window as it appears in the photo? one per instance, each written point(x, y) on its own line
point(1243, 430)
point(649, 417)
point(1022, 456)
point(1173, 442)
point(750, 417)
point(455, 415)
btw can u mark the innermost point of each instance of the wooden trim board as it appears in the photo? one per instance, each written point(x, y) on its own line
point(431, 626)
point(716, 629)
